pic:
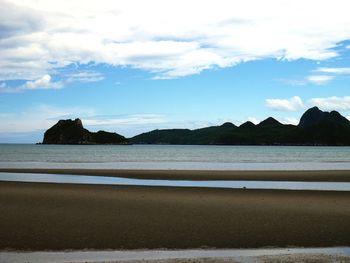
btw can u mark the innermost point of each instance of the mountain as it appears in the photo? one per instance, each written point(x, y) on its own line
point(73, 132)
point(269, 122)
point(315, 116)
point(247, 125)
point(316, 127)
point(324, 128)
point(268, 132)
point(208, 135)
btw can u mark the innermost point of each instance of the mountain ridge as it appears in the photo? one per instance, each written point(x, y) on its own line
point(316, 127)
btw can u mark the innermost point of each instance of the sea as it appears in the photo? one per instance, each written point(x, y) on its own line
point(177, 157)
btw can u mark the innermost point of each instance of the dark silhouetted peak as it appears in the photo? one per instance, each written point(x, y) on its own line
point(314, 116)
point(336, 115)
point(269, 122)
point(228, 125)
point(67, 132)
point(314, 109)
point(78, 122)
point(311, 117)
point(73, 132)
point(247, 124)
point(103, 137)
point(68, 123)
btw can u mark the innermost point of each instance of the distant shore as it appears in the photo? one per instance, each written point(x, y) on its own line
point(39, 216)
point(311, 176)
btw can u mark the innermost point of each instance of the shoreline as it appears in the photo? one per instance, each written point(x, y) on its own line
point(198, 175)
point(42, 216)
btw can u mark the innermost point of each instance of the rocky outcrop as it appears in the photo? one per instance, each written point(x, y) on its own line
point(73, 132)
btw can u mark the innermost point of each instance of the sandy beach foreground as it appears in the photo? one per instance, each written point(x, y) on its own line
point(38, 216)
point(298, 175)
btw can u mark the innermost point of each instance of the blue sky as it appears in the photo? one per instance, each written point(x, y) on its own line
point(130, 70)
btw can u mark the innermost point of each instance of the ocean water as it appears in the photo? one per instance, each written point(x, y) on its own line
point(174, 157)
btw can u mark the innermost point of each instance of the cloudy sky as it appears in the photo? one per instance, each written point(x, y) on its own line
point(132, 66)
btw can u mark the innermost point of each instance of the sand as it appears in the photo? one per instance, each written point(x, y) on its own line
point(320, 176)
point(39, 216)
point(300, 258)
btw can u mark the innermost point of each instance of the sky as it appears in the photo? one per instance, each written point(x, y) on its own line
point(134, 66)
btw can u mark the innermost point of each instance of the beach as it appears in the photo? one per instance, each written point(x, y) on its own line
point(40, 216)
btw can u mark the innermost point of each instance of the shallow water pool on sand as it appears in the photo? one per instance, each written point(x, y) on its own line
point(103, 180)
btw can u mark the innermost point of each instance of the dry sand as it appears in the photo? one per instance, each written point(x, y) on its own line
point(325, 176)
point(39, 216)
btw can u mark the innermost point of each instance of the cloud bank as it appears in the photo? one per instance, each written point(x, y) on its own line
point(334, 70)
point(293, 104)
point(41, 83)
point(319, 79)
point(169, 39)
point(296, 103)
point(332, 103)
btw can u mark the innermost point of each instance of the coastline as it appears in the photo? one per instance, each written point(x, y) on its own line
point(297, 175)
point(40, 216)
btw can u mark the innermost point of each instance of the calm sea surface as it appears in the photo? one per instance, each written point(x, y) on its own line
point(174, 157)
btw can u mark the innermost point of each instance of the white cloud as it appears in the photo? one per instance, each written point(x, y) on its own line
point(319, 79)
point(332, 103)
point(45, 82)
point(41, 83)
point(334, 70)
point(85, 76)
point(293, 104)
point(170, 39)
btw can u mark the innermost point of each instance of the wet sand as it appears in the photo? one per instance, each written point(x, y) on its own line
point(319, 258)
point(183, 256)
point(39, 216)
point(320, 176)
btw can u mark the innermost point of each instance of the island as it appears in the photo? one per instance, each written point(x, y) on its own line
point(73, 132)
